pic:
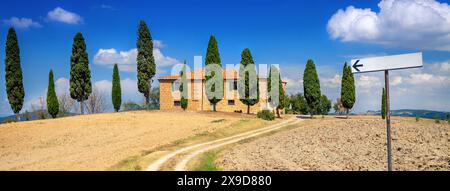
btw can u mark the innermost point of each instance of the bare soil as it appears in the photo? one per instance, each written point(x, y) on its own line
point(358, 143)
point(97, 142)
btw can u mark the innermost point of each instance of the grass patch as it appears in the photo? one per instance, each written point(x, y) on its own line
point(208, 162)
point(218, 121)
point(128, 164)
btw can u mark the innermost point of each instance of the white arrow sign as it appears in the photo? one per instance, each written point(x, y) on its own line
point(382, 63)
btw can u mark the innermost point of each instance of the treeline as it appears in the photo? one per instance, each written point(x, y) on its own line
point(313, 102)
point(80, 78)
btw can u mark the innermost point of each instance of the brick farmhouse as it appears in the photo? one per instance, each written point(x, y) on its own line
point(197, 101)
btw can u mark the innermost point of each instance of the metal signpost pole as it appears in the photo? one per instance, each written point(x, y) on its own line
point(386, 63)
point(388, 121)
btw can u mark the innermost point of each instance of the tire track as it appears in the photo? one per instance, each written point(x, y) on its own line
point(192, 151)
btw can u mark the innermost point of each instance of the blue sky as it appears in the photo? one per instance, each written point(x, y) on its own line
point(277, 32)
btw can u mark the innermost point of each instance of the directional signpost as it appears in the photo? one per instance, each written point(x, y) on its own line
point(386, 63)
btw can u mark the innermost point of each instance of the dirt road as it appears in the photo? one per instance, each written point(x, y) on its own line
point(180, 158)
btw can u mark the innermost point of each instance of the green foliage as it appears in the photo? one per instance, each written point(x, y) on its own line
point(131, 106)
point(116, 89)
point(311, 86)
point(244, 78)
point(437, 119)
point(52, 99)
point(281, 94)
point(417, 119)
point(146, 67)
point(347, 88)
point(10, 120)
point(183, 88)
point(213, 57)
point(212, 52)
point(13, 72)
point(383, 104)
point(154, 99)
point(27, 115)
point(298, 103)
point(325, 105)
point(266, 115)
point(80, 75)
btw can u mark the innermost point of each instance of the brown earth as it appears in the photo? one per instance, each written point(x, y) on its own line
point(97, 142)
point(358, 143)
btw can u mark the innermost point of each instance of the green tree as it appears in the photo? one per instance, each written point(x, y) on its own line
point(146, 67)
point(248, 80)
point(281, 95)
point(347, 88)
point(215, 92)
point(13, 73)
point(311, 86)
point(80, 75)
point(325, 105)
point(299, 104)
point(116, 89)
point(383, 104)
point(52, 99)
point(184, 88)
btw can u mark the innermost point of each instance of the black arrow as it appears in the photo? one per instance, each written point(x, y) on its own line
point(356, 65)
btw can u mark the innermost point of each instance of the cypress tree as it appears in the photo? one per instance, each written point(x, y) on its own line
point(213, 57)
point(383, 104)
point(116, 89)
point(347, 88)
point(13, 73)
point(146, 67)
point(311, 87)
point(245, 85)
point(281, 94)
point(52, 100)
point(80, 75)
point(184, 88)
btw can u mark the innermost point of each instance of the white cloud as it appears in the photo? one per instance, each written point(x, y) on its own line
point(62, 85)
point(427, 79)
point(127, 85)
point(22, 23)
point(397, 80)
point(127, 59)
point(158, 44)
point(418, 24)
point(60, 15)
point(366, 82)
point(332, 82)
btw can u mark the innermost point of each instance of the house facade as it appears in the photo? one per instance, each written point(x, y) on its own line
point(170, 95)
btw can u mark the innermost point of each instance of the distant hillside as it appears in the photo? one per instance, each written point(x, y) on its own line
point(415, 113)
point(27, 116)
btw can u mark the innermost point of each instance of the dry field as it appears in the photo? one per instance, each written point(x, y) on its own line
point(339, 144)
point(97, 142)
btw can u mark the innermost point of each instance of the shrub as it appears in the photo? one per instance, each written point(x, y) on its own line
point(10, 120)
point(417, 119)
point(131, 106)
point(437, 119)
point(266, 115)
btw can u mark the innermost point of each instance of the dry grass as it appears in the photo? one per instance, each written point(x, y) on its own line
point(97, 142)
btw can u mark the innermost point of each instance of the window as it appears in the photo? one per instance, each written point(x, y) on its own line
point(230, 102)
point(232, 85)
point(175, 86)
point(176, 103)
